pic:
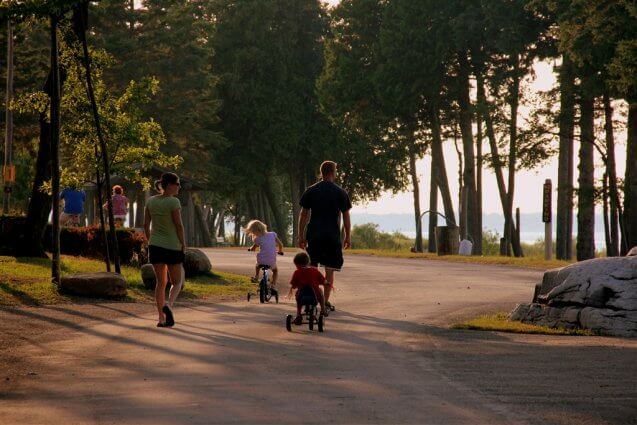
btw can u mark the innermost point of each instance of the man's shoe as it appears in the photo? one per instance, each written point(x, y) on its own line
point(329, 306)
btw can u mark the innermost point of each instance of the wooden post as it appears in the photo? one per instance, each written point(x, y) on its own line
point(517, 223)
point(547, 215)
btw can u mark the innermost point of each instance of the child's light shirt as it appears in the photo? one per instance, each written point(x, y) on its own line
point(267, 249)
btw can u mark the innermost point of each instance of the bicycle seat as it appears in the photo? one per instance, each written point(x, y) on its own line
point(264, 267)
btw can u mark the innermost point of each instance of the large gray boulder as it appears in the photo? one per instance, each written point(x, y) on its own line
point(98, 285)
point(148, 276)
point(598, 294)
point(196, 262)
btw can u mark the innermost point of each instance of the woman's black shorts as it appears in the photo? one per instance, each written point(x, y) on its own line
point(159, 255)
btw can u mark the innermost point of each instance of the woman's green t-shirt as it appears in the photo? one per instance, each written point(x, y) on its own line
point(163, 231)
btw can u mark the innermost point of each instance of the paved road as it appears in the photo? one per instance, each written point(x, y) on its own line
point(386, 357)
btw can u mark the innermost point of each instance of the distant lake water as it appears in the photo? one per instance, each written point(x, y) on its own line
point(531, 237)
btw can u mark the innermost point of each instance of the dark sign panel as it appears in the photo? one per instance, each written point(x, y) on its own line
point(547, 208)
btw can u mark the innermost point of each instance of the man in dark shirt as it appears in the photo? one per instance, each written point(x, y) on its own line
point(324, 202)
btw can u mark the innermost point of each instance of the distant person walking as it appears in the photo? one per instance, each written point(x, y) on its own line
point(120, 205)
point(73, 206)
point(324, 203)
point(166, 244)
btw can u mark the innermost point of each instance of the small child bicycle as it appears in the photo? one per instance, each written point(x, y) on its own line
point(265, 291)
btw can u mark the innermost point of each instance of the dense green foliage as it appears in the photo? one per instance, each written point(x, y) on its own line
point(253, 95)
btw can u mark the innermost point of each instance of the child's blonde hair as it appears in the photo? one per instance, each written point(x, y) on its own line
point(256, 228)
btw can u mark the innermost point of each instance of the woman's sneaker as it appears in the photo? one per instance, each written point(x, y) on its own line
point(329, 306)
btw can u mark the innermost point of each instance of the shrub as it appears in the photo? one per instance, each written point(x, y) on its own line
point(367, 236)
point(88, 242)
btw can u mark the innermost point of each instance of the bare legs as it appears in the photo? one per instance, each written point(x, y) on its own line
point(176, 277)
point(329, 276)
point(160, 289)
point(257, 271)
point(275, 274)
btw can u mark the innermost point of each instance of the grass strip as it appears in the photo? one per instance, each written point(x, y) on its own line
point(526, 262)
point(27, 281)
point(499, 322)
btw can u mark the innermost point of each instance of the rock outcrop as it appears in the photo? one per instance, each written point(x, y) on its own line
point(598, 294)
point(98, 285)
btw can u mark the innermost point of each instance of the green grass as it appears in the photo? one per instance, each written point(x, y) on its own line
point(528, 262)
point(499, 322)
point(27, 281)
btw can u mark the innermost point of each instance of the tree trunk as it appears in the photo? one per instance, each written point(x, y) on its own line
point(437, 156)
point(433, 209)
point(477, 245)
point(466, 130)
point(56, 266)
point(80, 14)
point(460, 179)
point(514, 100)
point(416, 192)
point(203, 225)
point(612, 250)
point(585, 199)
point(493, 146)
point(564, 237)
point(30, 244)
point(295, 198)
point(252, 210)
point(630, 181)
point(279, 218)
point(140, 200)
point(220, 229)
point(605, 217)
point(237, 225)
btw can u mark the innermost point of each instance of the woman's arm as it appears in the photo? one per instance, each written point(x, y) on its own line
point(176, 214)
point(147, 220)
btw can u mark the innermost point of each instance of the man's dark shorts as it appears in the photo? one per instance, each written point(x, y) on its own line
point(326, 252)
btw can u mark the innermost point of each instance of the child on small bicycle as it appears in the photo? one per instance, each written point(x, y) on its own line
point(304, 278)
point(269, 246)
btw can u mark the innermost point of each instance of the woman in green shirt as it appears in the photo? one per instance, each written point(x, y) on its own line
point(166, 244)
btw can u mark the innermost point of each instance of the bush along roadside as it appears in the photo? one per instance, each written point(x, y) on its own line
point(77, 241)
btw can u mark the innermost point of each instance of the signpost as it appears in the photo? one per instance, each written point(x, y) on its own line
point(547, 215)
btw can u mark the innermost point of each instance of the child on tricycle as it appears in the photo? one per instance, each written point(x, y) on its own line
point(307, 280)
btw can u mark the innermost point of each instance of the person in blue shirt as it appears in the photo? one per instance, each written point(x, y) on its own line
point(73, 206)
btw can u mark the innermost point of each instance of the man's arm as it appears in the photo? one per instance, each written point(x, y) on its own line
point(301, 230)
point(348, 229)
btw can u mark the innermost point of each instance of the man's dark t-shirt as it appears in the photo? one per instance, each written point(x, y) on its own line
point(326, 200)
